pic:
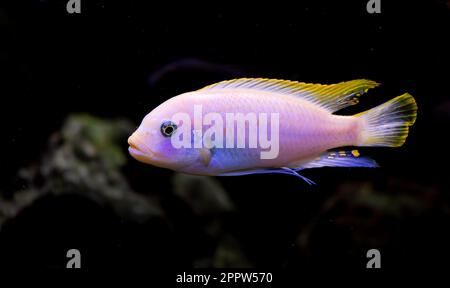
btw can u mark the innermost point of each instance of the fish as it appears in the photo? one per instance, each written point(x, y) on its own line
point(305, 131)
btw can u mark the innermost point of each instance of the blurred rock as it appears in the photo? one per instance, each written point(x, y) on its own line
point(211, 205)
point(203, 194)
point(229, 254)
point(361, 215)
point(85, 158)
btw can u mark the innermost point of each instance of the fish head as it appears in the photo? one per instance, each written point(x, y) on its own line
point(152, 142)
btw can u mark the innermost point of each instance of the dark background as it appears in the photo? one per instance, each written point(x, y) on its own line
point(119, 59)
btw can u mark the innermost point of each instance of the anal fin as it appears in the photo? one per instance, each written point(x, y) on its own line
point(340, 158)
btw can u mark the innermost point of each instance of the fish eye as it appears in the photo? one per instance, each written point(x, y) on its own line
point(167, 128)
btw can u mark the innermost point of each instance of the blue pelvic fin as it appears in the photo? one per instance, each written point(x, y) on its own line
point(339, 159)
point(282, 170)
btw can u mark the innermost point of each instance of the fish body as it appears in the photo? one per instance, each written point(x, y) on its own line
point(299, 121)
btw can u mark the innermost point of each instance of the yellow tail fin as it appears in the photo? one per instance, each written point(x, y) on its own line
point(388, 124)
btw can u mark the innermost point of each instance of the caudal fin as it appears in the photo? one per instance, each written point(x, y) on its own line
point(388, 124)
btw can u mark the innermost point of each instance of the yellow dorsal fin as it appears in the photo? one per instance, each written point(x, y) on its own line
point(332, 97)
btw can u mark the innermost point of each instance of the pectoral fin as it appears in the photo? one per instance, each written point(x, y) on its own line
point(205, 156)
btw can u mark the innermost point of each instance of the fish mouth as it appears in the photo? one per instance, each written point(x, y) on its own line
point(132, 145)
point(139, 151)
point(142, 153)
point(136, 152)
